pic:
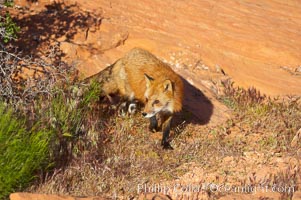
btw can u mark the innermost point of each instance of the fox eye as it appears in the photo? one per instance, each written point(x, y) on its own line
point(155, 102)
point(146, 100)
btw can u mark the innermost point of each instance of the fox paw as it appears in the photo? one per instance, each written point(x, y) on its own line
point(125, 108)
point(122, 109)
point(132, 108)
point(153, 129)
point(166, 145)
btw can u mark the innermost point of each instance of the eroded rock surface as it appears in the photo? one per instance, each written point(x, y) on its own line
point(256, 43)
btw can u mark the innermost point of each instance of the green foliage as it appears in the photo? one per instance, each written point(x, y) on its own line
point(10, 28)
point(92, 93)
point(9, 3)
point(64, 115)
point(23, 152)
point(67, 112)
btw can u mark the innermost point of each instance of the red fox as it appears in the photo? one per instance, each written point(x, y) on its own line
point(139, 75)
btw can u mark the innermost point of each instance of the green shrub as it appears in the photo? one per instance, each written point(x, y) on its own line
point(65, 114)
point(8, 3)
point(23, 152)
point(9, 28)
point(43, 139)
point(92, 93)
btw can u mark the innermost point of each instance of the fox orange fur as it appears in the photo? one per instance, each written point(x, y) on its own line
point(139, 75)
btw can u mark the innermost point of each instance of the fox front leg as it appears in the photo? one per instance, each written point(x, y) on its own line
point(166, 123)
point(153, 124)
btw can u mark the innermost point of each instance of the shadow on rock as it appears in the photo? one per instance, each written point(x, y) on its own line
point(197, 108)
point(57, 20)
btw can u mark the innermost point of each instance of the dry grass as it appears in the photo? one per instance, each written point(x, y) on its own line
point(118, 157)
point(118, 153)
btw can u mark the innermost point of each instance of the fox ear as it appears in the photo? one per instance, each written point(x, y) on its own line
point(148, 80)
point(167, 86)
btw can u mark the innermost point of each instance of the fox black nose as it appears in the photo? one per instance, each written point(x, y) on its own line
point(144, 114)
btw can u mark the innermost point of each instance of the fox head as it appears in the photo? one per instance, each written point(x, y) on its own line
point(158, 96)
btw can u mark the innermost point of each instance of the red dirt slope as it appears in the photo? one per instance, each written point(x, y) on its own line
point(257, 43)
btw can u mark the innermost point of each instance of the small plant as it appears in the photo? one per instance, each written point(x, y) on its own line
point(65, 118)
point(65, 113)
point(8, 3)
point(237, 96)
point(23, 152)
point(8, 28)
point(92, 93)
